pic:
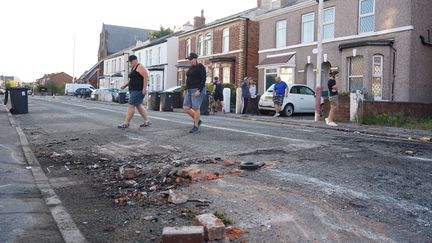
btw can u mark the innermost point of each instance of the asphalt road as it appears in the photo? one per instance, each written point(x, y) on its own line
point(319, 185)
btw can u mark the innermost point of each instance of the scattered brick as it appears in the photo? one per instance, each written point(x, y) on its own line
point(228, 163)
point(234, 233)
point(129, 173)
point(214, 228)
point(185, 234)
point(233, 172)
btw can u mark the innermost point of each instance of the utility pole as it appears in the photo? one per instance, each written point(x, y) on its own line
point(73, 62)
point(319, 62)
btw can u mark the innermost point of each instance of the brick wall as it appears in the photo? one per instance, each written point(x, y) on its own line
point(343, 112)
point(414, 110)
point(252, 49)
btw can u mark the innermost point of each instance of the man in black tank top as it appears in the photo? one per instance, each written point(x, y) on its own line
point(138, 80)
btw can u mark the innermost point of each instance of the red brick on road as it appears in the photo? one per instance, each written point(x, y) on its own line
point(185, 234)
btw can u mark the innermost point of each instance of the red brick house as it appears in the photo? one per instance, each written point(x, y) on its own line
point(228, 47)
point(58, 79)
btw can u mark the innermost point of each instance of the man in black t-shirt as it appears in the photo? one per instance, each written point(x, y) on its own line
point(195, 90)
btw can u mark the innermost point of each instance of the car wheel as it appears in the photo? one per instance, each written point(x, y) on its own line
point(288, 110)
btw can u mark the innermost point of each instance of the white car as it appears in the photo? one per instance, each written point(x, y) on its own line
point(301, 99)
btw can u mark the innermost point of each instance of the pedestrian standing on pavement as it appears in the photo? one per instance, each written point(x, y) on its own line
point(138, 80)
point(218, 93)
point(333, 98)
point(253, 100)
point(280, 91)
point(195, 90)
point(245, 95)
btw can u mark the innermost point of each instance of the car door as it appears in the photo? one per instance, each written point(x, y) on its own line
point(294, 98)
point(307, 99)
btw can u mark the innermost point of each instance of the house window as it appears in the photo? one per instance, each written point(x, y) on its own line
point(377, 76)
point(355, 73)
point(281, 31)
point(139, 56)
point(188, 46)
point(208, 45)
point(146, 58)
point(114, 66)
point(226, 73)
point(270, 77)
point(150, 57)
point(225, 41)
point(200, 46)
point(366, 16)
point(106, 68)
point(308, 27)
point(328, 23)
point(179, 78)
point(159, 55)
point(287, 74)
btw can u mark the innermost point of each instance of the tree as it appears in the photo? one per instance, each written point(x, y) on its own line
point(11, 83)
point(162, 32)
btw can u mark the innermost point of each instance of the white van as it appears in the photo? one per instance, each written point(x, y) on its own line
point(71, 88)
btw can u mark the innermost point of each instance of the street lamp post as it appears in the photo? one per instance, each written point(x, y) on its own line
point(319, 62)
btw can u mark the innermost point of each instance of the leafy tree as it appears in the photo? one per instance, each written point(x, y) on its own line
point(162, 32)
point(11, 83)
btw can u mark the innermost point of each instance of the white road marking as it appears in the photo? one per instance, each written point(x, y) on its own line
point(213, 127)
point(419, 158)
point(5, 185)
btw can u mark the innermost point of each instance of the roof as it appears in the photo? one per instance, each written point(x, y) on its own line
point(121, 37)
point(158, 41)
point(89, 73)
point(276, 60)
point(244, 14)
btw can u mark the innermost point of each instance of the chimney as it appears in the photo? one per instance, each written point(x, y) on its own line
point(187, 27)
point(264, 5)
point(199, 20)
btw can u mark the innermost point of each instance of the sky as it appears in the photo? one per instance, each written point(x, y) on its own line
point(38, 36)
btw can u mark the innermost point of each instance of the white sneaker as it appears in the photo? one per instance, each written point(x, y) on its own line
point(326, 120)
point(332, 124)
point(276, 115)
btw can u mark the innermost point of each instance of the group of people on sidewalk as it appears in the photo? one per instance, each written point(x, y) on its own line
point(250, 96)
point(196, 91)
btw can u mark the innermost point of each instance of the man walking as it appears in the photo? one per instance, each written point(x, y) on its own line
point(195, 90)
point(280, 91)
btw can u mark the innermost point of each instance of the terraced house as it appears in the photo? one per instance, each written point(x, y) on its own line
point(379, 46)
point(228, 47)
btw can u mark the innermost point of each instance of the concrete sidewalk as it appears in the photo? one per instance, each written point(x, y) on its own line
point(24, 216)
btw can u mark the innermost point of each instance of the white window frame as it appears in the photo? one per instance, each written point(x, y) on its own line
point(281, 33)
point(365, 15)
point(159, 55)
point(279, 74)
point(303, 25)
point(114, 65)
point(380, 75)
point(208, 44)
point(225, 40)
point(188, 46)
point(200, 45)
point(350, 76)
point(150, 57)
point(146, 58)
point(329, 22)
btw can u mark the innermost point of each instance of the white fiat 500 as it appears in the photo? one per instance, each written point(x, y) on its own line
point(301, 99)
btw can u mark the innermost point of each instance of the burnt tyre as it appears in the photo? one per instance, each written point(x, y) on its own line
point(288, 110)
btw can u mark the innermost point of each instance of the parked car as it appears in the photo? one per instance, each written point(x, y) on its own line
point(97, 92)
point(116, 96)
point(301, 99)
point(2, 91)
point(83, 92)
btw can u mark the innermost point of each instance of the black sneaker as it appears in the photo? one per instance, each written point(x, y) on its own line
point(194, 130)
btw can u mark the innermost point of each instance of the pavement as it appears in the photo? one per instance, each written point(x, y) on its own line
point(29, 208)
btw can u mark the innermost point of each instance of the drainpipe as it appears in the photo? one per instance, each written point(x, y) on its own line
point(246, 49)
point(393, 73)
